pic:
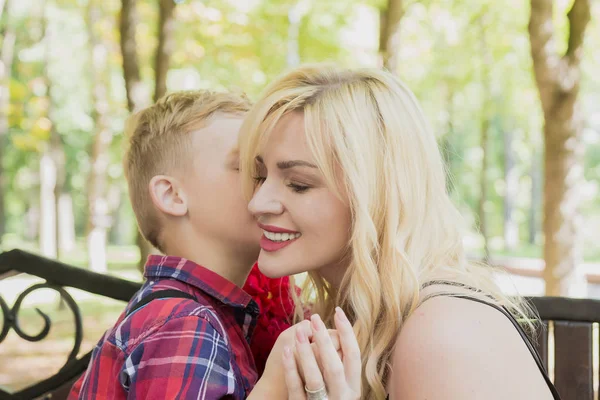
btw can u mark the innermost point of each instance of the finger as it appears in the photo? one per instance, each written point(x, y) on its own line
point(292, 376)
point(332, 364)
point(335, 338)
point(315, 350)
point(350, 349)
point(304, 325)
point(312, 374)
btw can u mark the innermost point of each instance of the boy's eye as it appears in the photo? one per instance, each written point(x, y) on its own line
point(259, 180)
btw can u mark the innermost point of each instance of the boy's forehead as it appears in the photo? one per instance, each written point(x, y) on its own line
point(219, 137)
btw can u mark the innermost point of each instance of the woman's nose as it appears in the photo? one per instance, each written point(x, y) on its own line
point(265, 201)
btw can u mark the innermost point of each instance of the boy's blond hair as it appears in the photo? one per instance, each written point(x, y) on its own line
point(159, 142)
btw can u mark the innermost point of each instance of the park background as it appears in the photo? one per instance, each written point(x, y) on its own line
point(511, 88)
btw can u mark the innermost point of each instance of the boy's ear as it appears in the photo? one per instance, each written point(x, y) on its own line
point(168, 195)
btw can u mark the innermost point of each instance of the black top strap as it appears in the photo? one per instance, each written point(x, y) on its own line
point(450, 283)
point(160, 294)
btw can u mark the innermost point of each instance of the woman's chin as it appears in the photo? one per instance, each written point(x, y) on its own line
point(270, 271)
point(274, 270)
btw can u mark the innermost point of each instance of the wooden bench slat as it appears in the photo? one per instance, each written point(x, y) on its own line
point(573, 369)
point(541, 342)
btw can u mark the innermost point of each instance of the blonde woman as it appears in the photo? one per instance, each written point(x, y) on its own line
point(347, 183)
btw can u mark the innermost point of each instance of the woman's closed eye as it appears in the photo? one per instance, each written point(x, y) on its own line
point(298, 188)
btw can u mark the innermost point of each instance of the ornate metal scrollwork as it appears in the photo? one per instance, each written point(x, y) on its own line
point(11, 319)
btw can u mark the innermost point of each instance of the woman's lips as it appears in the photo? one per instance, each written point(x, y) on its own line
point(270, 245)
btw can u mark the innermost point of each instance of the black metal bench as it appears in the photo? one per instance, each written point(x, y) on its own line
point(569, 322)
point(57, 276)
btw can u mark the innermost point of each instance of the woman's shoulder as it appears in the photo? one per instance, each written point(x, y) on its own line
point(458, 348)
point(449, 322)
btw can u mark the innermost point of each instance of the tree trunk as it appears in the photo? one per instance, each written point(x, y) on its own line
point(99, 213)
point(66, 223)
point(48, 240)
point(56, 147)
point(136, 97)
point(52, 164)
point(32, 221)
point(389, 34)
point(536, 191)
point(165, 47)
point(295, 15)
point(4, 4)
point(483, 186)
point(57, 155)
point(6, 60)
point(511, 180)
point(484, 143)
point(558, 79)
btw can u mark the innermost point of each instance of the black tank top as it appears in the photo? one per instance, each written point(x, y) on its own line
point(508, 315)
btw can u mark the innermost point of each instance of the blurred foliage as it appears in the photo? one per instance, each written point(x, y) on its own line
point(451, 51)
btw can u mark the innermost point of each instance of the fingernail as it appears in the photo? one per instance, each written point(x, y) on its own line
point(300, 336)
point(316, 322)
point(340, 313)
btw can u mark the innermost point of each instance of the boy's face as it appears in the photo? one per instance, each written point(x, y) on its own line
point(216, 206)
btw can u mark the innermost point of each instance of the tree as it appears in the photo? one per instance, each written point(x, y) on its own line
point(485, 128)
point(511, 182)
point(52, 162)
point(136, 98)
point(295, 15)
point(98, 204)
point(558, 79)
point(389, 34)
point(164, 50)
point(6, 60)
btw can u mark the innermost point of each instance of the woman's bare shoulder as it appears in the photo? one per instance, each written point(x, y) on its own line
point(454, 348)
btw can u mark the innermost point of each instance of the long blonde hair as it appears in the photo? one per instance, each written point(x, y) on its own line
point(405, 229)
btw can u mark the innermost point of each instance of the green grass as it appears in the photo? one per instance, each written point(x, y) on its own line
point(119, 258)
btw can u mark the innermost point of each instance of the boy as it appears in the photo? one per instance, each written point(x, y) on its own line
point(185, 333)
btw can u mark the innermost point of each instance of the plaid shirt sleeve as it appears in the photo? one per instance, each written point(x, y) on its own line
point(187, 358)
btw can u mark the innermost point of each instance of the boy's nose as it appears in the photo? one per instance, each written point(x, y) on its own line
point(264, 202)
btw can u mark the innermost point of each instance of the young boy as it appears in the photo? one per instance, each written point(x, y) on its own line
point(185, 333)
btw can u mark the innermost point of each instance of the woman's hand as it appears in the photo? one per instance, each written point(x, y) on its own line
point(271, 385)
point(331, 377)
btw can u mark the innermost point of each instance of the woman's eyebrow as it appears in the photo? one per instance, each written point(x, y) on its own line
point(294, 163)
point(289, 164)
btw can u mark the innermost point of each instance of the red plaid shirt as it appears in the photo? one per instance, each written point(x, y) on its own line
point(177, 348)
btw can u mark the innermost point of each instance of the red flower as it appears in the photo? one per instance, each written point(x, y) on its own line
point(276, 312)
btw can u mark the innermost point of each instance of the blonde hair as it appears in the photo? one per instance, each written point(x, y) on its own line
point(405, 229)
point(158, 142)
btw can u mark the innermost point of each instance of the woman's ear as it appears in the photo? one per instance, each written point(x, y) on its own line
point(168, 195)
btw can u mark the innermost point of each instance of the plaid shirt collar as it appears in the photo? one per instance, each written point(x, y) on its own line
point(211, 283)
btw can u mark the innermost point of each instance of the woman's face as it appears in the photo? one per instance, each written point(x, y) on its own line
point(306, 227)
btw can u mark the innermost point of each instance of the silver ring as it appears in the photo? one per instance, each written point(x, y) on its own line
point(319, 394)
